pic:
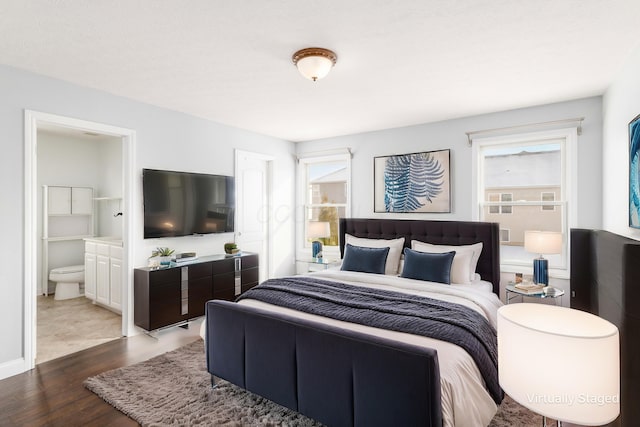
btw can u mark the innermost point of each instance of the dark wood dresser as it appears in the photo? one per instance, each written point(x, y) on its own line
point(175, 294)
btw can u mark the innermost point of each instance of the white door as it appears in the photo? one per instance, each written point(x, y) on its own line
point(252, 206)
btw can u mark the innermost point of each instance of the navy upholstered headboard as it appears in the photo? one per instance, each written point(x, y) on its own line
point(605, 280)
point(437, 233)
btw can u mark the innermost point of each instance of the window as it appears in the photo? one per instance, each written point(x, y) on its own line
point(324, 184)
point(506, 197)
point(548, 197)
point(494, 197)
point(499, 197)
point(524, 183)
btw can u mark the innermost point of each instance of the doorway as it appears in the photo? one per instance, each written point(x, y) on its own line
point(53, 146)
point(253, 203)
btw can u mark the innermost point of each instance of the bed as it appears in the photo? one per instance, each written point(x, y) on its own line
point(605, 281)
point(340, 373)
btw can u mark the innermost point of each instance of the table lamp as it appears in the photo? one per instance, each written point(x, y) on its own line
point(583, 386)
point(316, 230)
point(542, 242)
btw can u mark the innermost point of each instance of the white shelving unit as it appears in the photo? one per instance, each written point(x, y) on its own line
point(68, 215)
point(111, 199)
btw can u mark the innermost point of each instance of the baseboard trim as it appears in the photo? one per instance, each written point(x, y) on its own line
point(12, 367)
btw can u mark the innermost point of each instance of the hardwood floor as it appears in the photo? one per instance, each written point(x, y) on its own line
point(52, 394)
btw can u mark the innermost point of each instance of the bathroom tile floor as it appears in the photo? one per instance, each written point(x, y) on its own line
point(71, 325)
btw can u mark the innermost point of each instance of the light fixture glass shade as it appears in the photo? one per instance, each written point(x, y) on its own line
point(314, 67)
point(582, 386)
point(316, 229)
point(543, 242)
point(314, 63)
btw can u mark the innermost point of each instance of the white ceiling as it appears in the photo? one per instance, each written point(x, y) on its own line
point(400, 62)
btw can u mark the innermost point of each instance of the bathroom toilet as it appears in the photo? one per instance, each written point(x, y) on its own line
point(68, 281)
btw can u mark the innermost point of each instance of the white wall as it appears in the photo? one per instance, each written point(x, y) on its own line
point(109, 185)
point(451, 134)
point(621, 103)
point(165, 140)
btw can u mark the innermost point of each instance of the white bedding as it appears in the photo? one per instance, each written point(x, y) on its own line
point(465, 400)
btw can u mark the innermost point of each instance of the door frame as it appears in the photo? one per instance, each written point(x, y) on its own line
point(269, 161)
point(32, 120)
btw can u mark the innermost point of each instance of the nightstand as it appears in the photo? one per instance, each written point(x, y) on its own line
point(512, 293)
point(315, 264)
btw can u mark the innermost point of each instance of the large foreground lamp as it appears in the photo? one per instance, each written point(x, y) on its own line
point(314, 63)
point(317, 230)
point(585, 389)
point(542, 243)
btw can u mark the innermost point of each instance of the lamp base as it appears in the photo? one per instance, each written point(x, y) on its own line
point(316, 249)
point(541, 271)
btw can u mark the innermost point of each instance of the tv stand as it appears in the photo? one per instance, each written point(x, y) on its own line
point(171, 295)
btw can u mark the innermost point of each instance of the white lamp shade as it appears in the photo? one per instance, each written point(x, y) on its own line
point(316, 229)
point(559, 362)
point(314, 67)
point(543, 242)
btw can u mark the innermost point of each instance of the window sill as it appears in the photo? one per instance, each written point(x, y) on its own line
point(555, 273)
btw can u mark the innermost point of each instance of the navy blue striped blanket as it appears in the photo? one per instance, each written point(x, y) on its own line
point(390, 310)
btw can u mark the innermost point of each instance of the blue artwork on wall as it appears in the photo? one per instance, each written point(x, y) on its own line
point(634, 172)
point(416, 182)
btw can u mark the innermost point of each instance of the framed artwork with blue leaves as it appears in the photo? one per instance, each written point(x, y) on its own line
point(634, 172)
point(413, 183)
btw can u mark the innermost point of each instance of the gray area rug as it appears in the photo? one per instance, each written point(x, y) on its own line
point(174, 389)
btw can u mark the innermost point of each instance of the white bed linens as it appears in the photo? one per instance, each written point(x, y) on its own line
point(465, 400)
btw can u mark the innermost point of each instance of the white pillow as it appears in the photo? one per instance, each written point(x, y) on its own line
point(395, 249)
point(464, 263)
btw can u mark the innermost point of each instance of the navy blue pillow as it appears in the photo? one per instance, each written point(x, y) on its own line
point(365, 260)
point(428, 266)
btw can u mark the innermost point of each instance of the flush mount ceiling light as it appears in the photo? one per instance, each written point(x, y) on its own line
point(314, 62)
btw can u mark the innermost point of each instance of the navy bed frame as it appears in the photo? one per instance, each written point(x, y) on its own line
point(335, 376)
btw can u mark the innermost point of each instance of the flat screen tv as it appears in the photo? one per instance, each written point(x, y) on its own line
point(184, 203)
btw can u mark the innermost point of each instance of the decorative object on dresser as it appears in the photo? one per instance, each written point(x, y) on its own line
point(173, 295)
point(417, 182)
point(163, 255)
point(185, 257)
point(231, 248)
point(542, 243)
point(585, 390)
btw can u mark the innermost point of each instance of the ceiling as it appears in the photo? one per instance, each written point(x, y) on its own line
point(400, 62)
